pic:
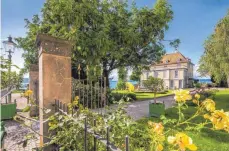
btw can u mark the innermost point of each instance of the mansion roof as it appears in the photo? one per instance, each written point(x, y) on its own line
point(173, 58)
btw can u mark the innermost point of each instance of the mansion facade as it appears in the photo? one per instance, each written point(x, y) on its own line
point(175, 69)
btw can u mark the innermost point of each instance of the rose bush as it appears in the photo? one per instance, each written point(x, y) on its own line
point(156, 136)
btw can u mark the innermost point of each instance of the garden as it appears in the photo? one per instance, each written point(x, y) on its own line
point(81, 43)
point(197, 122)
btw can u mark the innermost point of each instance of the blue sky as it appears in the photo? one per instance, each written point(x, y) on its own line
point(193, 22)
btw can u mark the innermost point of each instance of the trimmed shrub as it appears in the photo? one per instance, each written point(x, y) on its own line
point(121, 85)
point(116, 96)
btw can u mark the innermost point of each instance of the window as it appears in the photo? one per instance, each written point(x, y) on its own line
point(185, 74)
point(171, 83)
point(164, 74)
point(176, 73)
point(155, 74)
point(180, 84)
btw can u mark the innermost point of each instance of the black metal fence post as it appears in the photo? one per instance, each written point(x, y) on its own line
point(85, 134)
point(60, 105)
point(94, 136)
point(108, 138)
point(127, 143)
point(55, 105)
point(67, 109)
point(64, 107)
point(6, 99)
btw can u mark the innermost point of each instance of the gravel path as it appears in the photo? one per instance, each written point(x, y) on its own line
point(140, 109)
point(15, 136)
point(16, 132)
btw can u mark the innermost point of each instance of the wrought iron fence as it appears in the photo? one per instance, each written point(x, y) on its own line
point(63, 109)
point(6, 94)
point(92, 94)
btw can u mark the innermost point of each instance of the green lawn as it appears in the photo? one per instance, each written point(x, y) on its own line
point(206, 140)
point(146, 95)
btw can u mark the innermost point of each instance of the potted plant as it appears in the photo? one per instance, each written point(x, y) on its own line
point(155, 85)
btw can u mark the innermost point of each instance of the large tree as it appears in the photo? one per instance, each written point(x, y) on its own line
point(215, 60)
point(108, 34)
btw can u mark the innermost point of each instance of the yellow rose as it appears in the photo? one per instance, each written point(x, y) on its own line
point(182, 95)
point(195, 101)
point(197, 96)
point(28, 93)
point(220, 120)
point(182, 141)
point(156, 127)
point(209, 105)
point(150, 123)
point(206, 116)
point(171, 139)
point(159, 147)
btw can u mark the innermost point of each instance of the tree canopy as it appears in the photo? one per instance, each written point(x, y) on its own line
point(215, 60)
point(136, 73)
point(154, 84)
point(108, 34)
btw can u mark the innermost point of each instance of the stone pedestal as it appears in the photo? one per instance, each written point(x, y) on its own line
point(33, 80)
point(33, 85)
point(54, 75)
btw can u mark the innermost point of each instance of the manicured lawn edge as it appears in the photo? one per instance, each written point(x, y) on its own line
point(144, 96)
point(148, 99)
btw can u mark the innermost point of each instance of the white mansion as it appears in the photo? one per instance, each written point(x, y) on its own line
point(175, 69)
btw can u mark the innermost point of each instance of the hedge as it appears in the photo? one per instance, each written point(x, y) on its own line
point(116, 96)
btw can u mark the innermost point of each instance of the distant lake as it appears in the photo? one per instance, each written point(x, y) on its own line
point(25, 80)
point(205, 80)
point(113, 83)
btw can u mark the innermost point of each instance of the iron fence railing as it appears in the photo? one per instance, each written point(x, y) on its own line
point(92, 94)
point(63, 109)
point(6, 94)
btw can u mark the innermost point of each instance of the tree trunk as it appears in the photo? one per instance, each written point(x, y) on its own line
point(228, 81)
point(106, 74)
point(155, 98)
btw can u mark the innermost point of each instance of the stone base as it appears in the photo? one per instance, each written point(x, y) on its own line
point(34, 111)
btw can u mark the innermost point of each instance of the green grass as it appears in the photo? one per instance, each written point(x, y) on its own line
point(206, 140)
point(18, 91)
point(26, 109)
point(146, 95)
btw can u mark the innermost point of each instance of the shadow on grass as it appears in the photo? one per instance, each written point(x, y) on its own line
point(220, 136)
